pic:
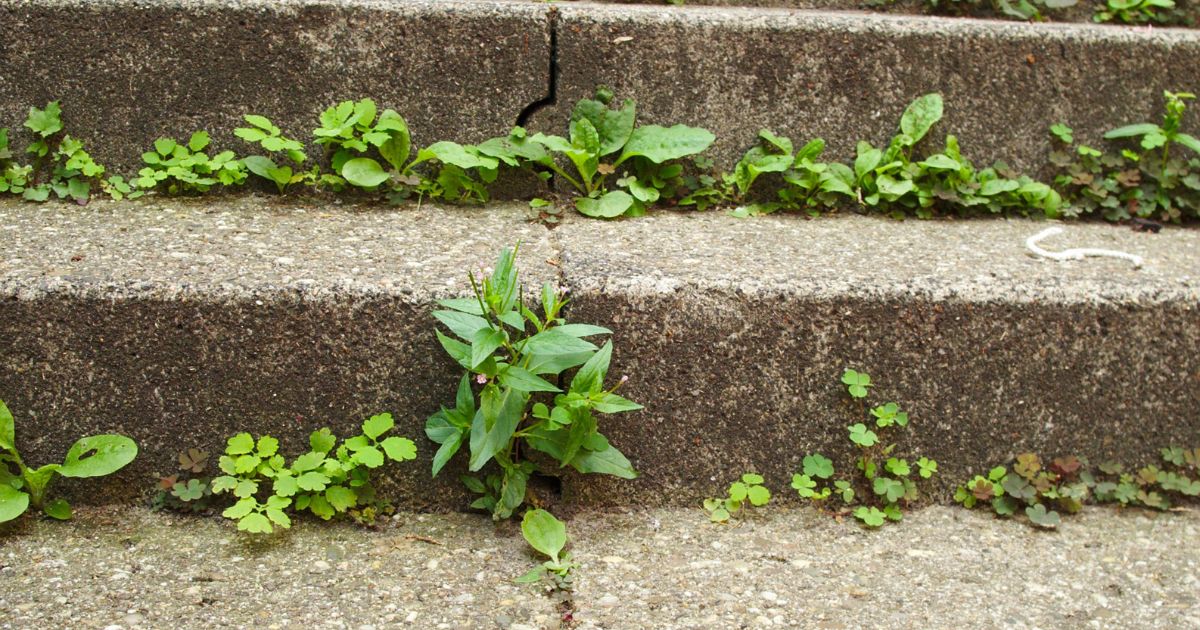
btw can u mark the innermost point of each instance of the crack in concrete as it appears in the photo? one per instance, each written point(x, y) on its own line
point(551, 97)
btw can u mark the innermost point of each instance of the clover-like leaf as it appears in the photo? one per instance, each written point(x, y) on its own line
point(856, 383)
point(193, 460)
point(817, 465)
point(193, 490)
point(870, 516)
point(1041, 517)
point(804, 485)
point(862, 436)
point(926, 467)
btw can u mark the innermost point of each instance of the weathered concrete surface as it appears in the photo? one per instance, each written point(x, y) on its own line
point(130, 71)
point(735, 334)
point(669, 569)
point(182, 323)
point(845, 77)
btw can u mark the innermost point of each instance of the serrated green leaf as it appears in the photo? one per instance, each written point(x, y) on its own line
point(377, 425)
point(399, 449)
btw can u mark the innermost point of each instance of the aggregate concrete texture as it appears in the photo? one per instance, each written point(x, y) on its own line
point(736, 333)
point(848, 76)
point(181, 323)
point(668, 569)
point(130, 71)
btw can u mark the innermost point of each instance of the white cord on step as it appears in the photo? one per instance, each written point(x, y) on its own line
point(1077, 253)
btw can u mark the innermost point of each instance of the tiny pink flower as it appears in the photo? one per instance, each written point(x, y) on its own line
point(481, 379)
point(624, 378)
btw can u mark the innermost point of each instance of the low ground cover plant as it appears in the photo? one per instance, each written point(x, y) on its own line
point(1151, 171)
point(518, 421)
point(329, 480)
point(93, 456)
point(614, 167)
point(885, 482)
point(1041, 491)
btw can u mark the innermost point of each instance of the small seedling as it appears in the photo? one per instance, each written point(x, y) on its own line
point(94, 456)
point(548, 536)
point(748, 491)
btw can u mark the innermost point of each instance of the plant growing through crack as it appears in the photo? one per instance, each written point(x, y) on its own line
point(518, 420)
point(604, 141)
point(887, 482)
point(93, 456)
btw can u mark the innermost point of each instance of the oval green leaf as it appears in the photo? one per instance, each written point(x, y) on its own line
point(98, 455)
point(364, 172)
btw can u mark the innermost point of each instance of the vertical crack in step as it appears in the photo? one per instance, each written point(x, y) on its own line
point(552, 81)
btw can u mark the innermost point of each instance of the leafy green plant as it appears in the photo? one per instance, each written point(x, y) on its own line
point(548, 536)
point(518, 419)
point(892, 179)
point(325, 481)
point(1139, 12)
point(604, 141)
point(60, 166)
point(1157, 181)
point(94, 456)
point(1016, 9)
point(186, 168)
point(269, 137)
point(887, 482)
point(1041, 491)
point(747, 491)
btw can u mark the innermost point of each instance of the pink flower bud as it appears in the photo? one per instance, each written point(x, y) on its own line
point(481, 379)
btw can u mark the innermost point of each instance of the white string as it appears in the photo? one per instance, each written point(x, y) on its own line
point(1077, 253)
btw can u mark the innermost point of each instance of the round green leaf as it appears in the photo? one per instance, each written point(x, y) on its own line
point(609, 205)
point(364, 172)
point(13, 502)
point(98, 455)
point(544, 532)
point(58, 509)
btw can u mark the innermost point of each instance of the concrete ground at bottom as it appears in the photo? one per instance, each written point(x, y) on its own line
point(942, 567)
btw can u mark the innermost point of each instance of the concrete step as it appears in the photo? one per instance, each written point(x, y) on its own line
point(669, 569)
point(465, 70)
point(183, 322)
